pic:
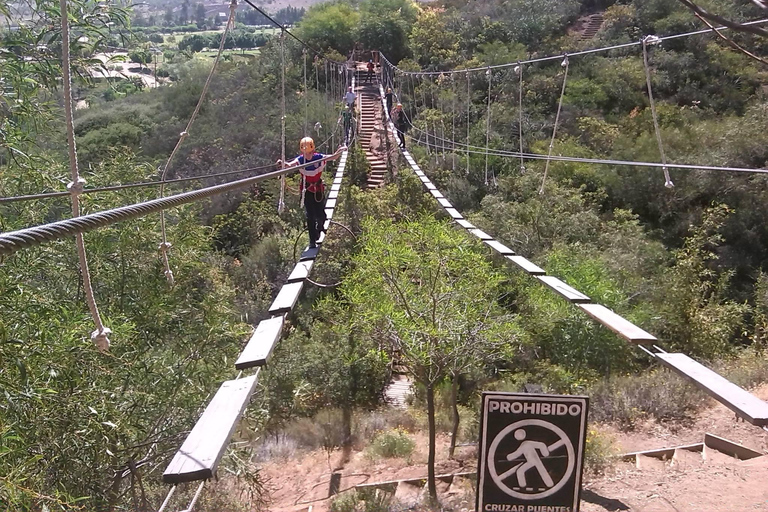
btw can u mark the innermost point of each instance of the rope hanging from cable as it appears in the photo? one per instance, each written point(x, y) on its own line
point(281, 202)
point(565, 65)
point(519, 71)
point(165, 246)
point(100, 336)
point(646, 41)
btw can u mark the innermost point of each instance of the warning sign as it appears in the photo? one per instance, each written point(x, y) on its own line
point(531, 452)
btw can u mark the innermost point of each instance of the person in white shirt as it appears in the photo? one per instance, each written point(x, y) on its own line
point(349, 98)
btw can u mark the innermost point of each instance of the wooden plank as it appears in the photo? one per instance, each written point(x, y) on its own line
point(617, 324)
point(740, 401)
point(663, 453)
point(308, 254)
point(430, 186)
point(436, 193)
point(261, 344)
point(329, 213)
point(527, 265)
point(736, 450)
point(337, 181)
point(200, 454)
point(570, 294)
point(499, 247)
point(482, 235)
point(286, 299)
point(453, 213)
point(333, 194)
point(301, 271)
point(330, 203)
point(465, 224)
point(444, 202)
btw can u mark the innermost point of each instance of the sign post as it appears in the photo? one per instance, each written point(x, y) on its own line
point(531, 452)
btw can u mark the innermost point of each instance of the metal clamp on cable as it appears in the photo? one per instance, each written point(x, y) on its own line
point(76, 187)
point(100, 338)
point(651, 40)
point(164, 246)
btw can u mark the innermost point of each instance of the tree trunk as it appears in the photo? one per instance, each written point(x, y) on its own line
point(431, 458)
point(455, 408)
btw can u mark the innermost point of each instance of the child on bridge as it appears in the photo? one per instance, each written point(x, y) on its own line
point(312, 187)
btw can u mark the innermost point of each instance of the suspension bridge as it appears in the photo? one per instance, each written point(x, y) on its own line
point(198, 458)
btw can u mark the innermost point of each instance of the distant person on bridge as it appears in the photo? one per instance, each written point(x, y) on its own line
point(388, 96)
point(348, 119)
point(312, 187)
point(349, 98)
point(401, 123)
point(371, 66)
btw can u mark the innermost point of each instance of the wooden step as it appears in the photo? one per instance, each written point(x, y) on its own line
point(262, 343)
point(743, 403)
point(200, 454)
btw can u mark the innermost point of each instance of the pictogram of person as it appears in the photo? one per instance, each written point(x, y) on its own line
point(530, 451)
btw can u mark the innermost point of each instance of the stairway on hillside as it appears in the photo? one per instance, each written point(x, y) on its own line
point(370, 124)
point(593, 24)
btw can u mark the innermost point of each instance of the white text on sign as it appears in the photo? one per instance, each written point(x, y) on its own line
point(541, 408)
point(489, 507)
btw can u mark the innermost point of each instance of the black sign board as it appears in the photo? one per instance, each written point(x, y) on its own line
point(531, 452)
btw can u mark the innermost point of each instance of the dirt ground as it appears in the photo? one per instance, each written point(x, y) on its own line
point(717, 484)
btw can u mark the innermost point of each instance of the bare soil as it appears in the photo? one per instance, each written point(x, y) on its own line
point(717, 484)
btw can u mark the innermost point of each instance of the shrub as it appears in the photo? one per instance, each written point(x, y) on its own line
point(392, 443)
point(599, 451)
point(359, 500)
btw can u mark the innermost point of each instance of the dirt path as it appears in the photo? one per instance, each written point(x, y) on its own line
point(716, 483)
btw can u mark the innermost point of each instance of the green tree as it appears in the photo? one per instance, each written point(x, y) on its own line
point(330, 26)
point(434, 46)
point(696, 315)
point(432, 295)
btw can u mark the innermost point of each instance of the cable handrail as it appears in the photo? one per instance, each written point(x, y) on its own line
point(569, 54)
point(14, 241)
point(479, 150)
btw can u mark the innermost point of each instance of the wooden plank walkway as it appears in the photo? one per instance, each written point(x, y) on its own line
point(742, 402)
point(261, 344)
point(199, 456)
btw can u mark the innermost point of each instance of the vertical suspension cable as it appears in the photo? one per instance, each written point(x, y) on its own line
point(469, 104)
point(453, 123)
point(646, 41)
point(519, 71)
point(564, 64)
point(165, 246)
point(306, 96)
point(488, 124)
point(100, 336)
point(281, 202)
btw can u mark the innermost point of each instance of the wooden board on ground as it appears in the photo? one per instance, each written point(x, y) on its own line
point(743, 403)
point(261, 344)
point(561, 288)
point(436, 194)
point(286, 299)
point(199, 456)
point(465, 224)
point(444, 202)
point(617, 324)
